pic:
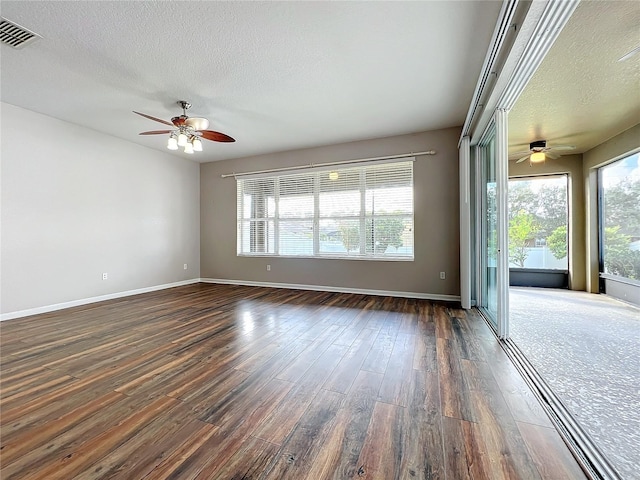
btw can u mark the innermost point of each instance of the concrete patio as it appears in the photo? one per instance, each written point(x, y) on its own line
point(586, 347)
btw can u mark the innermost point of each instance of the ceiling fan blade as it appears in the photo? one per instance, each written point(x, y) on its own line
point(520, 160)
point(630, 54)
point(216, 136)
point(155, 132)
point(562, 147)
point(153, 118)
point(552, 155)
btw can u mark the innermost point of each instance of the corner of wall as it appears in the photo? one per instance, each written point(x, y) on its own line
point(608, 151)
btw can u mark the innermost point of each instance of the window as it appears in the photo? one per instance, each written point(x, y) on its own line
point(620, 217)
point(353, 212)
point(538, 223)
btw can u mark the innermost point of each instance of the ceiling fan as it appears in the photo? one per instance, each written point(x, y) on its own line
point(539, 150)
point(187, 131)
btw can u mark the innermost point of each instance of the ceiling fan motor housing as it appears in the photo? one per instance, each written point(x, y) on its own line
point(538, 145)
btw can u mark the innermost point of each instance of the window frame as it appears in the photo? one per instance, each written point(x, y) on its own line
point(566, 176)
point(362, 217)
point(601, 222)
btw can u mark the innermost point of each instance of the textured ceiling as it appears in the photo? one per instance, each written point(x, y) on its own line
point(274, 75)
point(581, 95)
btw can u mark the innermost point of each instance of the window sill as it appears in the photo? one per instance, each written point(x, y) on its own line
point(328, 257)
point(616, 278)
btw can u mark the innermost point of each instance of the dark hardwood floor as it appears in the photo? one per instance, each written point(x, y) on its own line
point(228, 382)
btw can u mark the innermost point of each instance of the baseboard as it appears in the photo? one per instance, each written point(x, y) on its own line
point(85, 301)
point(325, 288)
point(293, 286)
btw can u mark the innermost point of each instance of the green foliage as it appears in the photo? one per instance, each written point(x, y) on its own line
point(552, 209)
point(619, 259)
point(492, 245)
point(522, 230)
point(521, 198)
point(622, 206)
point(557, 242)
point(621, 213)
point(492, 221)
point(548, 209)
point(548, 205)
point(380, 233)
point(350, 235)
point(383, 232)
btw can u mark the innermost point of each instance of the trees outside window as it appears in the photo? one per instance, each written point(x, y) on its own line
point(557, 242)
point(620, 217)
point(538, 216)
point(523, 230)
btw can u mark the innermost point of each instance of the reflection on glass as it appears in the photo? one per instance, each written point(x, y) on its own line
point(491, 279)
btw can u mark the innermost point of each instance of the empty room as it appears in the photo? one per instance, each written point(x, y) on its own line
point(271, 240)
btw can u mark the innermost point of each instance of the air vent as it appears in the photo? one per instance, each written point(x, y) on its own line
point(14, 35)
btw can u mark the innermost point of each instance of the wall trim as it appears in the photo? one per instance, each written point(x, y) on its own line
point(86, 301)
point(324, 288)
point(293, 286)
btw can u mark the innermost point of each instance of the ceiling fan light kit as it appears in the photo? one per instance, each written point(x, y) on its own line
point(188, 131)
point(172, 143)
point(537, 157)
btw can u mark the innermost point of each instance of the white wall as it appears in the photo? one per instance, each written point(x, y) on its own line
point(77, 203)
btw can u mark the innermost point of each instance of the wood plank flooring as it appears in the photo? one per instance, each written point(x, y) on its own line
point(227, 382)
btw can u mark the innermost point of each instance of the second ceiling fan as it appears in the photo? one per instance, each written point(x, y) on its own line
point(538, 151)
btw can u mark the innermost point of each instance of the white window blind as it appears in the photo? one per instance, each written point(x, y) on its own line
point(353, 212)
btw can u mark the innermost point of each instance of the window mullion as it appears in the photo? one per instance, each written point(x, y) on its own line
point(276, 217)
point(316, 215)
point(363, 200)
point(239, 216)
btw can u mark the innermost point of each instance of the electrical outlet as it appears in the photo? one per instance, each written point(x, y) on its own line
point(442, 276)
point(185, 266)
point(105, 276)
point(268, 268)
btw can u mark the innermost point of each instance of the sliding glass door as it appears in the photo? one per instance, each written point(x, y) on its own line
point(488, 295)
point(491, 211)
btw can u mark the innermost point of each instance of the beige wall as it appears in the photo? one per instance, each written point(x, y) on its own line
point(614, 148)
point(436, 221)
point(77, 203)
point(572, 166)
point(582, 171)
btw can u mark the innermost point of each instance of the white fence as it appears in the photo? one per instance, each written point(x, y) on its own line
point(541, 257)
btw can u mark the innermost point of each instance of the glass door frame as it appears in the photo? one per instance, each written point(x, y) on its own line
point(496, 131)
point(483, 157)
